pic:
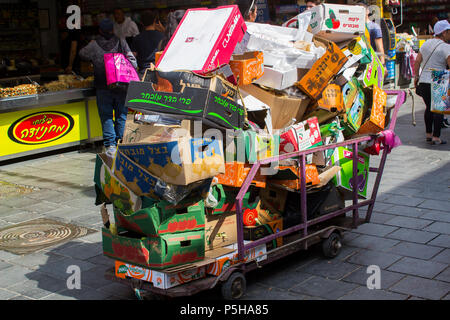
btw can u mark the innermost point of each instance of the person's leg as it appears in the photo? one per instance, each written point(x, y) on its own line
point(105, 111)
point(437, 125)
point(120, 112)
point(425, 93)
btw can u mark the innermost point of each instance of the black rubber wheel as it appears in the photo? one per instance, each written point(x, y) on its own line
point(331, 247)
point(234, 287)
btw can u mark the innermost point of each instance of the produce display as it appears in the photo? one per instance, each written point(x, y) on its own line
point(173, 184)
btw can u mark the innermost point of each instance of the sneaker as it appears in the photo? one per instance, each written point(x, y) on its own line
point(111, 151)
point(446, 123)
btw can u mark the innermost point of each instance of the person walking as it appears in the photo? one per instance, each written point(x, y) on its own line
point(110, 103)
point(145, 45)
point(124, 27)
point(434, 54)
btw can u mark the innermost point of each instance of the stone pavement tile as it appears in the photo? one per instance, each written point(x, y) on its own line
point(69, 213)
point(22, 217)
point(34, 260)
point(264, 293)
point(363, 293)
point(58, 269)
point(443, 257)
point(85, 293)
point(349, 236)
point(39, 287)
point(370, 257)
point(441, 241)
point(6, 294)
point(118, 290)
point(282, 279)
point(416, 298)
point(21, 202)
point(435, 204)
point(418, 267)
point(4, 265)
point(101, 259)
point(374, 243)
point(42, 207)
point(412, 235)
point(437, 216)
point(403, 200)
point(374, 229)
point(88, 220)
point(324, 288)
point(347, 252)
point(92, 238)
point(82, 203)
point(415, 250)
point(94, 277)
point(330, 269)
point(13, 275)
point(20, 297)
point(423, 288)
point(447, 297)
point(444, 275)
point(6, 256)
point(83, 251)
point(407, 211)
point(381, 218)
point(439, 227)
point(408, 222)
point(6, 211)
point(360, 277)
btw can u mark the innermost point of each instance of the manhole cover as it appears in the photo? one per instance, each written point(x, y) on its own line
point(38, 234)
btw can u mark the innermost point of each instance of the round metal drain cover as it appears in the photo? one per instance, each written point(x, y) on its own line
point(38, 234)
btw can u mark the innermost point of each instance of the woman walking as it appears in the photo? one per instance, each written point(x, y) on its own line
point(434, 54)
point(110, 103)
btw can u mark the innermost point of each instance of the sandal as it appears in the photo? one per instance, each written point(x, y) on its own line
point(429, 139)
point(438, 142)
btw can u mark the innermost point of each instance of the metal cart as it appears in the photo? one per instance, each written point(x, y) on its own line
point(327, 229)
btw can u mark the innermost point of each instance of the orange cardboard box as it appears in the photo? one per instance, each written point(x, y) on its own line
point(157, 56)
point(323, 70)
point(312, 177)
point(332, 99)
point(247, 67)
point(377, 118)
point(236, 173)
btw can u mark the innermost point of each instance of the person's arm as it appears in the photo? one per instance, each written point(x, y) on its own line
point(448, 61)
point(73, 53)
point(134, 30)
point(87, 52)
point(380, 49)
point(129, 54)
point(417, 64)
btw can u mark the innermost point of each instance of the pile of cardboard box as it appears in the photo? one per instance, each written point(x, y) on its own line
point(218, 101)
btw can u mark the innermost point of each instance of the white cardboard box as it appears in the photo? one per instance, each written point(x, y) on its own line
point(278, 79)
point(338, 23)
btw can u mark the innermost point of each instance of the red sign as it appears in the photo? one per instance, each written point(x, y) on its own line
point(41, 127)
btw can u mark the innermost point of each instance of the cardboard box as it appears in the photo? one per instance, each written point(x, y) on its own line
point(261, 231)
point(289, 177)
point(273, 198)
point(278, 79)
point(116, 191)
point(374, 72)
point(332, 99)
point(354, 116)
point(158, 279)
point(301, 136)
point(225, 261)
point(338, 22)
point(236, 173)
point(247, 67)
point(259, 146)
point(376, 121)
point(158, 56)
point(163, 218)
point(226, 198)
point(220, 230)
point(283, 108)
point(167, 250)
point(179, 162)
point(357, 51)
point(206, 38)
point(349, 93)
point(343, 157)
point(210, 101)
point(323, 70)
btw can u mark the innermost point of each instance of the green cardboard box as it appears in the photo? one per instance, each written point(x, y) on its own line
point(167, 250)
point(163, 217)
point(344, 179)
point(226, 197)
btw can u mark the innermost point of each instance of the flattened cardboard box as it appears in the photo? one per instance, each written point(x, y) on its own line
point(211, 104)
point(161, 252)
point(179, 162)
point(158, 279)
point(227, 200)
point(220, 230)
point(236, 173)
point(377, 117)
point(163, 218)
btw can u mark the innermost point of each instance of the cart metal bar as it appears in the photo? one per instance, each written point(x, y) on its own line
point(401, 96)
point(355, 182)
point(373, 169)
point(303, 196)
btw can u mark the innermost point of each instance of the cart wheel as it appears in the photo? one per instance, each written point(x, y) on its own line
point(331, 247)
point(234, 287)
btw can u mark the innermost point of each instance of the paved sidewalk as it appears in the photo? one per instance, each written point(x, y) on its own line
point(408, 238)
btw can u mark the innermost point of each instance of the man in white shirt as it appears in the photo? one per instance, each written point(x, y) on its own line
point(124, 27)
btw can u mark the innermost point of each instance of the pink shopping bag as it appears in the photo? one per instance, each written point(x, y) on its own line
point(119, 70)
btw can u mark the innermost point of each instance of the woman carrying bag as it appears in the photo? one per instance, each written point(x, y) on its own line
point(110, 102)
point(435, 53)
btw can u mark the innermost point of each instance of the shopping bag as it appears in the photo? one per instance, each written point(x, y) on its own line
point(119, 71)
point(440, 89)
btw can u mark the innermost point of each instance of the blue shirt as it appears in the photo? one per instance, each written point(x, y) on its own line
point(374, 32)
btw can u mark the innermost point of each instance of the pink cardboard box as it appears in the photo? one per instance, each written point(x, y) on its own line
point(206, 38)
